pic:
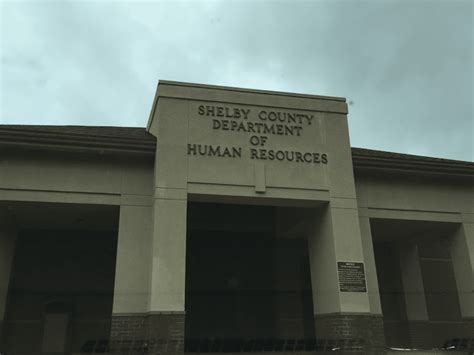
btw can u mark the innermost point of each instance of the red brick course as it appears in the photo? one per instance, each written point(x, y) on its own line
point(153, 334)
point(363, 333)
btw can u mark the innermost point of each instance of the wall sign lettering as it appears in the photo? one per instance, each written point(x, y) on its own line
point(260, 126)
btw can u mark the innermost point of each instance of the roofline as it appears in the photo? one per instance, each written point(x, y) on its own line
point(167, 89)
point(27, 137)
point(254, 91)
point(41, 140)
point(395, 163)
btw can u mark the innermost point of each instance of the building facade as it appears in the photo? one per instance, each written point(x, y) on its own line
point(238, 220)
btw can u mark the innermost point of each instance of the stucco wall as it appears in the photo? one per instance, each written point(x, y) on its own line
point(49, 176)
point(390, 195)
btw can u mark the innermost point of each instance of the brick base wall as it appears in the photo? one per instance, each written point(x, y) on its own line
point(153, 334)
point(353, 333)
point(166, 333)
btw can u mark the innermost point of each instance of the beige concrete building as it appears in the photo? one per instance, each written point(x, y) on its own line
point(238, 220)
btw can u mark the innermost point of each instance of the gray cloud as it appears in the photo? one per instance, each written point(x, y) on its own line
point(406, 65)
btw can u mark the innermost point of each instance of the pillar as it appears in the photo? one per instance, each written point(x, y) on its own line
point(462, 255)
point(370, 267)
point(343, 311)
point(414, 296)
point(167, 313)
point(148, 309)
point(7, 248)
point(132, 284)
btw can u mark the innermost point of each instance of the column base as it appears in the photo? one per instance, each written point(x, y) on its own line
point(154, 333)
point(352, 333)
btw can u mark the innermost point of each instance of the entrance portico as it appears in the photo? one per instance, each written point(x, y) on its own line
point(251, 164)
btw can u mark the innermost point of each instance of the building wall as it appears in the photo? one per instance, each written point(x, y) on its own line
point(72, 177)
point(406, 196)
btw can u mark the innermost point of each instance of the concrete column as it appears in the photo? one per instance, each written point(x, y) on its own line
point(370, 267)
point(148, 306)
point(339, 315)
point(132, 281)
point(166, 317)
point(133, 257)
point(169, 255)
point(414, 295)
point(7, 249)
point(462, 254)
point(163, 324)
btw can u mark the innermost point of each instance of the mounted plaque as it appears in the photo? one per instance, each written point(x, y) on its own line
point(351, 277)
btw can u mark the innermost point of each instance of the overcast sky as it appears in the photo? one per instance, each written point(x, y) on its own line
point(406, 66)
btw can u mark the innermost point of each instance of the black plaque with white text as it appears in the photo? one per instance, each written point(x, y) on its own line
point(351, 277)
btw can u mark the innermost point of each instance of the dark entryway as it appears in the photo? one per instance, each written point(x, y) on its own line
point(62, 280)
point(417, 285)
point(242, 280)
point(61, 290)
